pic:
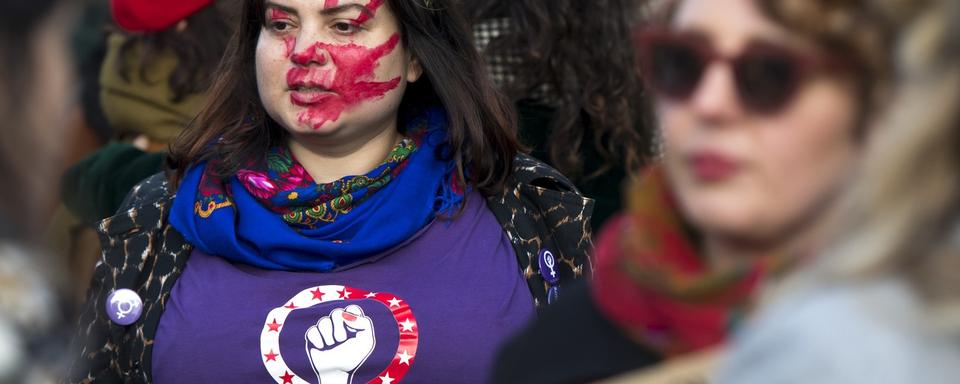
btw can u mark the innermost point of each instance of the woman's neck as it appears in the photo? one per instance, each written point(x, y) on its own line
point(723, 253)
point(328, 160)
point(726, 252)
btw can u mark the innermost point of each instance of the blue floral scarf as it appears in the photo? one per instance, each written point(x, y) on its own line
point(275, 216)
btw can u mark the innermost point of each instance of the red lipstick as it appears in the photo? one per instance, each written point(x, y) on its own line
point(712, 166)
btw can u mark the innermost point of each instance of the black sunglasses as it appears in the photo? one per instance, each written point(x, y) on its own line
point(767, 75)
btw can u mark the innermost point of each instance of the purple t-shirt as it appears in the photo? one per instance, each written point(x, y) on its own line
point(434, 309)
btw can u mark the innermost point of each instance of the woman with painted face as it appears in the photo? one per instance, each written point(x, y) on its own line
point(762, 123)
point(349, 207)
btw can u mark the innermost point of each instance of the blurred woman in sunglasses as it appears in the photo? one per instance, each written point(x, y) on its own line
point(880, 304)
point(762, 123)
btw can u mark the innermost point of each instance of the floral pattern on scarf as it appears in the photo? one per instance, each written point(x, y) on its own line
point(284, 186)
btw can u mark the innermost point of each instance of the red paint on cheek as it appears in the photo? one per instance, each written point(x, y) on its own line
point(352, 83)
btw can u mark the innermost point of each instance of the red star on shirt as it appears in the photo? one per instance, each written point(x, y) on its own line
point(344, 294)
point(290, 306)
point(271, 356)
point(317, 295)
point(287, 378)
point(274, 326)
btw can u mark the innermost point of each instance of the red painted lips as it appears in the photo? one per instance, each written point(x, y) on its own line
point(309, 92)
point(712, 166)
point(309, 98)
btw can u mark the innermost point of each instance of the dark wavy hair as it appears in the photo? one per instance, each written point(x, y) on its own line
point(583, 51)
point(481, 134)
point(198, 49)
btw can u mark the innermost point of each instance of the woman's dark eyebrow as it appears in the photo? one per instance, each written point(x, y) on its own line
point(284, 8)
point(345, 7)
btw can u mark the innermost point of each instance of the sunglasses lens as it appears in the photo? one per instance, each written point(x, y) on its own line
point(766, 83)
point(674, 68)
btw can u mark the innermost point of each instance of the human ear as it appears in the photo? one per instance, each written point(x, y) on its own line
point(414, 69)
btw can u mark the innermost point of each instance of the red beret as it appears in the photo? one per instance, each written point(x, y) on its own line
point(153, 15)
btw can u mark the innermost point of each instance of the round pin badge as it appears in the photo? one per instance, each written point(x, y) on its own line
point(548, 267)
point(124, 306)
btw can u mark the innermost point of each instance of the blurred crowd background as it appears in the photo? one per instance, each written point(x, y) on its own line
point(863, 172)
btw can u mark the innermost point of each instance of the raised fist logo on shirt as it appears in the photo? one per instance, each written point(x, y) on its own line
point(339, 344)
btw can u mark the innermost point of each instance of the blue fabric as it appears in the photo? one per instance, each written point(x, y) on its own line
point(250, 233)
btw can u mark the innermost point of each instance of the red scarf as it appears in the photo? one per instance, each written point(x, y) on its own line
point(652, 282)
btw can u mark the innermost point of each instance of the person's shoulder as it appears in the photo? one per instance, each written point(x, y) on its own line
point(537, 186)
point(846, 333)
point(151, 190)
point(541, 209)
point(143, 208)
point(532, 171)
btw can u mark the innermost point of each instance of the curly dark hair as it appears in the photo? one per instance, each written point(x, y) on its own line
point(198, 49)
point(583, 51)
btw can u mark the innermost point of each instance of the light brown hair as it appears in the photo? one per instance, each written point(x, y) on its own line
point(904, 211)
point(901, 216)
point(856, 30)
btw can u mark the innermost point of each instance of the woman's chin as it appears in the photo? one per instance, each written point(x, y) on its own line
point(299, 126)
point(734, 217)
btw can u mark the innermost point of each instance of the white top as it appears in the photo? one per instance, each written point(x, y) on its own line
point(863, 333)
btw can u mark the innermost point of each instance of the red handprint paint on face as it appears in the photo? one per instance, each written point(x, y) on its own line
point(328, 91)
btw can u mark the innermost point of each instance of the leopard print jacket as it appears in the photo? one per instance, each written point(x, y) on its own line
point(539, 209)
